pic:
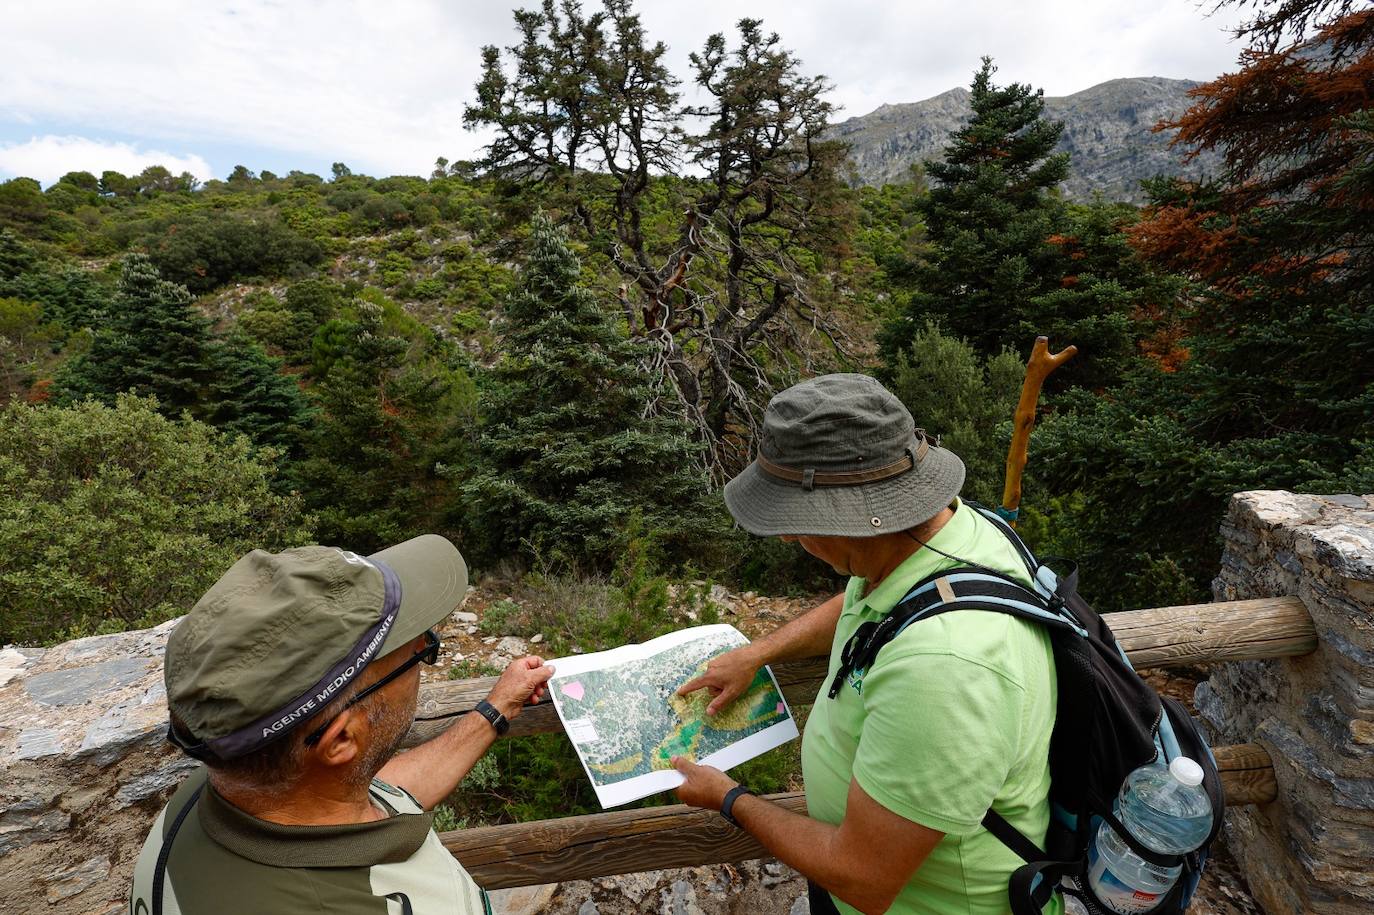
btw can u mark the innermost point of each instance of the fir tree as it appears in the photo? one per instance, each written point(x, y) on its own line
point(566, 454)
point(154, 342)
point(989, 216)
point(73, 298)
point(1108, 301)
point(389, 422)
point(248, 394)
point(1269, 384)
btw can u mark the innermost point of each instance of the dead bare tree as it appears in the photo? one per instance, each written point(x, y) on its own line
point(721, 295)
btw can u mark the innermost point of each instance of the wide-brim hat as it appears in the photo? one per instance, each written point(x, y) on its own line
point(840, 456)
point(281, 635)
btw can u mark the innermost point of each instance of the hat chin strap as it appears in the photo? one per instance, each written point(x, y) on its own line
point(810, 477)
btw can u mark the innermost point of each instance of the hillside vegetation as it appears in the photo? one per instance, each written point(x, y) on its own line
point(555, 355)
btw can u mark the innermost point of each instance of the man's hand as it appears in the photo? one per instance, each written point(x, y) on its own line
point(522, 683)
point(705, 786)
point(727, 676)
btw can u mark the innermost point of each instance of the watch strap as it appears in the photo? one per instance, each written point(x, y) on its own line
point(727, 806)
point(489, 712)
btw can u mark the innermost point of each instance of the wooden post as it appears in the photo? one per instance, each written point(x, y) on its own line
point(1197, 634)
point(626, 841)
point(1038, 368)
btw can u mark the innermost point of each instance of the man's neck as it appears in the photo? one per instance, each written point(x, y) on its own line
point(896, 549)
point(309, 803)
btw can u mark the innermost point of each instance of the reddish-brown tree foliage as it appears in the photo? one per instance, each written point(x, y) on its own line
point(1296, 203)
point(1280, 22)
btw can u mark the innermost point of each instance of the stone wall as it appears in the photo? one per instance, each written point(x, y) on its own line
point(84, 769)
point(1312, 850)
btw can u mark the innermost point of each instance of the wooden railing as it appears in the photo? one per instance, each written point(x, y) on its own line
point(626, 841)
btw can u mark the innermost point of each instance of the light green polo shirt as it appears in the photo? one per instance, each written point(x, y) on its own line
point(953, 717)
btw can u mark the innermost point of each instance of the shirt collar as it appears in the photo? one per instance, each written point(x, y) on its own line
point(953, 538)
point(385, 841)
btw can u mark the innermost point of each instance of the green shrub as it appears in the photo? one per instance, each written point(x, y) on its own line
point(966, 399)
point(202, 252)
point(118, 517)
point(468, 321)
point(395, 269)
point(579, 611)
point(431, 288)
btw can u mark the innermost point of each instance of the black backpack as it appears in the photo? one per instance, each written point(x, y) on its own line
point(1109, 722)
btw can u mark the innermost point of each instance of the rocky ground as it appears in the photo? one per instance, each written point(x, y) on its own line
point(465, 640)
point(756, 887)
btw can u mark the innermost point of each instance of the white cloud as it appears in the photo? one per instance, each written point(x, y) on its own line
point(381, 84)
point(50, 157)
point(878, 51)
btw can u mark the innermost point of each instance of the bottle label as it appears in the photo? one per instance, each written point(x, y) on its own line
point(1118, 896)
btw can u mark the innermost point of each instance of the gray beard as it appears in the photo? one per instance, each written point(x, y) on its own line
point(389, 726)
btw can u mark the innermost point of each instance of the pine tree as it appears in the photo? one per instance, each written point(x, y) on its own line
point(389, 421)
point(989, 217)
point(154, 342)
point(566, 454)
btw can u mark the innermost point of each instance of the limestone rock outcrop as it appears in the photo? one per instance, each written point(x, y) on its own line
point(83, 769)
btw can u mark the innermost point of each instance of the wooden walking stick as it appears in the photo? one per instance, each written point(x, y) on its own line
point(1038, 368)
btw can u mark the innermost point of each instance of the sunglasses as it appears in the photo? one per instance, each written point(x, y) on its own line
point(427, 655)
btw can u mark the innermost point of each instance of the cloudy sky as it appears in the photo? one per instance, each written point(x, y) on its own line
point(299, 84)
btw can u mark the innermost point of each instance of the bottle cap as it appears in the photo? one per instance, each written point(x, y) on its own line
point(1186, 771)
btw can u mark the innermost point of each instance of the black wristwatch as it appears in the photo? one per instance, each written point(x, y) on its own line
point(728, 805)
point(489, 712)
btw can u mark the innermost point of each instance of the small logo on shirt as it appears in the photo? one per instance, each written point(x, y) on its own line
point(856, 680)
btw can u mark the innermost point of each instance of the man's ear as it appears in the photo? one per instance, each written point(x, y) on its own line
point(342, 741)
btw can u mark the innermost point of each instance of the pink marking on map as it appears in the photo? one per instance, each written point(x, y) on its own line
point(573, 689)
point(781, 708)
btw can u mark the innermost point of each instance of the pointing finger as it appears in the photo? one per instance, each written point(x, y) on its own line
point(691, 686)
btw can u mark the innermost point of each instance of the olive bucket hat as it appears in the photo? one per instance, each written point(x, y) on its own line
point(840, 456)
point(280, 635)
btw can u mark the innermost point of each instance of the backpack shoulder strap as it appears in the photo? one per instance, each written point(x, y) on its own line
point(1058, 588)
point(1006, 530)
point(165, 853)
point(959, 588)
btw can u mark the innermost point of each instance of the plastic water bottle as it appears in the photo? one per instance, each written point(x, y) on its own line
point(1165, 809)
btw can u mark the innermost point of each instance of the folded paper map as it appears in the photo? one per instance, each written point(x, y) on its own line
point(621, 712)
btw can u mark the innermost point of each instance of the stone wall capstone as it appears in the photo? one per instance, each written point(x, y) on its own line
point(1312, 850)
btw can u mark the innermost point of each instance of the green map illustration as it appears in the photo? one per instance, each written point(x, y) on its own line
point(627, 720)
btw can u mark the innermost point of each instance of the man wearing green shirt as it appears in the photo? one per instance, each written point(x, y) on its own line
point(952, 719)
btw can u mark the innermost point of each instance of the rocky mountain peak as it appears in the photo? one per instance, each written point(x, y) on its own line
point(1108, 133)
